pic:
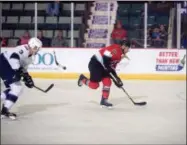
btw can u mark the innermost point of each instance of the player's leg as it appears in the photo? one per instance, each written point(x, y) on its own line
point(4, 73)
point(106, 91)
point(95, 69)
point(11, 98)
point(13, 85)
point(4, 94)
point(84, 80)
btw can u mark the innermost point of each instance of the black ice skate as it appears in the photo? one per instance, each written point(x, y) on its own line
point(6, 114)
point(105, 103)
point(81, 77)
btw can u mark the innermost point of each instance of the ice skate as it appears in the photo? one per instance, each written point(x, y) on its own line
point(81, 77)
point(105, 103)
point(6, 114)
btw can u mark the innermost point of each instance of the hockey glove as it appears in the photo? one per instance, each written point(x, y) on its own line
point(118, 82)
point(18, 75)
point(112, 73)
point(28, 80)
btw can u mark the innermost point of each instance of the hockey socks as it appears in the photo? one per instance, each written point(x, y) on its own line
point(4, 94)
point(105, 92)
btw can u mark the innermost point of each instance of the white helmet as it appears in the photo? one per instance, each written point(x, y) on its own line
point(35, 43)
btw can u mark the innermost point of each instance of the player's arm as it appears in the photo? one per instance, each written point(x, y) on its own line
point(14, 61)
point(107, 58)
point(20, 71)
point(27, 77)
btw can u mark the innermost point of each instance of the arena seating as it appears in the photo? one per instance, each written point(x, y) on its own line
point(131, 16)
point(18, 17)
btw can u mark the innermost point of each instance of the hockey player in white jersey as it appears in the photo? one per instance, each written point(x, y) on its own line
point(13, 68)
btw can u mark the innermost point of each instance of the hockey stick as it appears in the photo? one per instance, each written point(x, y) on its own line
point(135, 103)
point(56, 62)
point(46, 90)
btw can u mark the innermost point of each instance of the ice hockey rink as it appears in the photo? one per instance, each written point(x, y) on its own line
point(71, 115)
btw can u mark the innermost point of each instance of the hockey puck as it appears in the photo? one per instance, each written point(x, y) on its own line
point(64, 68)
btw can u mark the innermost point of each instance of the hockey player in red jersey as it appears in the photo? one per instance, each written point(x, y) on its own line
point(101, 66)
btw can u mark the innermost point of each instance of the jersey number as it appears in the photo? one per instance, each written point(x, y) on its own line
point(21, 51)
point(114, 52)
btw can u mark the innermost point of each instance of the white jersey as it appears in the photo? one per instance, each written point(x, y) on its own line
point(18, 57)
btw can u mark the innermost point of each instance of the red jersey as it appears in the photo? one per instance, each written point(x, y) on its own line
point(114, 52)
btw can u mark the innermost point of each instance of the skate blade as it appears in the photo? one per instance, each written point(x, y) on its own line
point(10, 117)
point(107, 107)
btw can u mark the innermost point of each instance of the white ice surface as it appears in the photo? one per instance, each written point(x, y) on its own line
point(69, 114)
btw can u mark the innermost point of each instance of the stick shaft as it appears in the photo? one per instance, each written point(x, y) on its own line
point(135, 103)
point(128, 95)
point(45, 91)
point(57, 63)
point(39, 88)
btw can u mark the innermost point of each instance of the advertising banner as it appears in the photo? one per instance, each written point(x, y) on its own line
point(103, 6)
point(95, 45)
point(99, 24)
point(170, 61)
point(142, 61)
point(43, 61)
point(154, 61)
point(97, 33)
point(99, 20)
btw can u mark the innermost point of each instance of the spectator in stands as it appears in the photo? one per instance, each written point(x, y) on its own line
point(149, 32)
point(163, 33)
point(53, 8)
point(149, 37)
point(119, 33)
point(133, 44)
point(184, 41)
point(25, 38)
point(59, 41)
point(156, 38)
point(46, 41)
point(3, 42)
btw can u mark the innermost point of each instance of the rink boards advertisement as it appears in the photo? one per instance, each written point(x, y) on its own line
point(150, 64)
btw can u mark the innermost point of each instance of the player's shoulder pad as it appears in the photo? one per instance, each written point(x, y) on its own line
point(107, 53)
point(14, 56)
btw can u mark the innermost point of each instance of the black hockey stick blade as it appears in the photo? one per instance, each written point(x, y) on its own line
point(49, 88)
point(45, 91)
point(135, 103)
point(140, 103)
